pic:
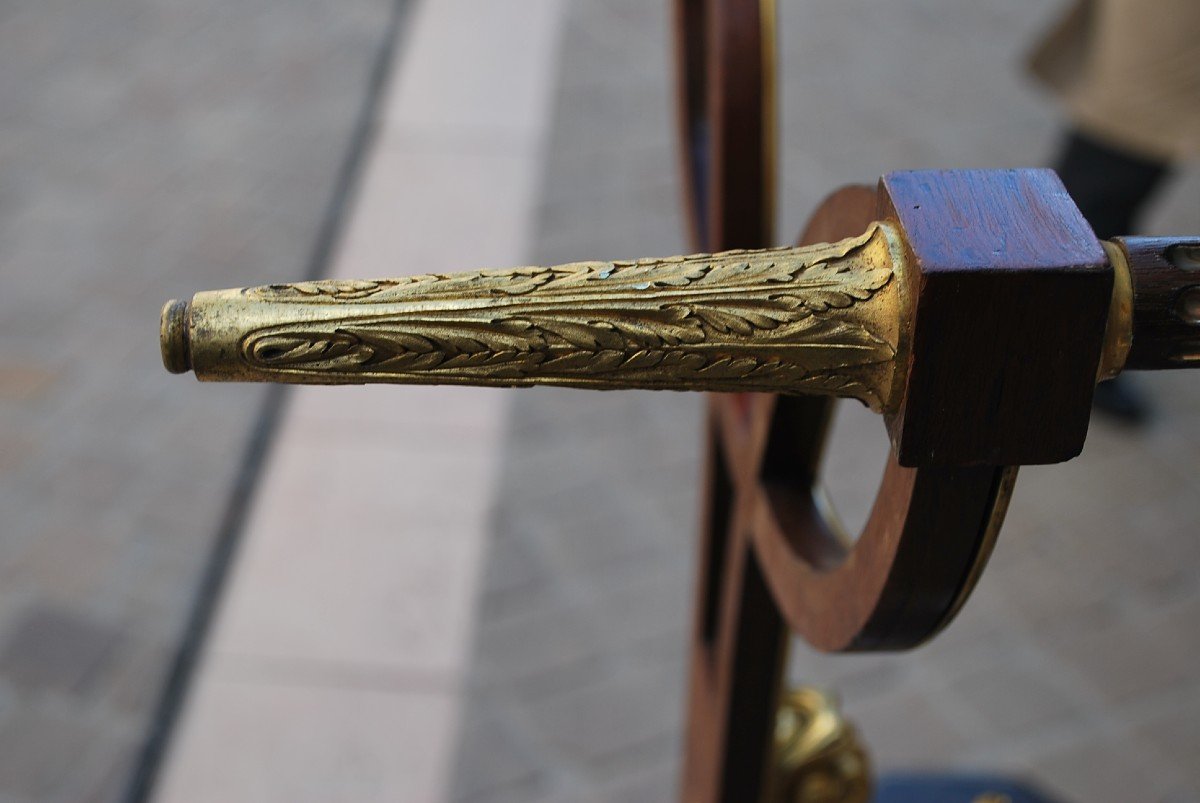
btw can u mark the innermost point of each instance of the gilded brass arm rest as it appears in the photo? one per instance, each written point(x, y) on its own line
point(823, 319)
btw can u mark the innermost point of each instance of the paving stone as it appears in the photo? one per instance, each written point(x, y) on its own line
point(647, 606)
point(58, 650)
point(24, 381)
point(137, 675)
point(499, 758)
point(624, 719)
point(1174, 738)
point(654, 785)
point(1101, 769)
point(151, 148)
point(524, 790)
point(1127, 659)
point(1014, 700)
point(48, 753)
point(516, 577)
point(533, 643)
point(905, 729)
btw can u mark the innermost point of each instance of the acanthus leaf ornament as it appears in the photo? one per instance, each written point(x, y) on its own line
point(816, 319)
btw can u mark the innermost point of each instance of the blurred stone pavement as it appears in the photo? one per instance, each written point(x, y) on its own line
point(148, 148)
point(1076, 661)
point(153, 148)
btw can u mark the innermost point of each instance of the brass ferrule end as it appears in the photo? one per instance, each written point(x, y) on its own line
point(173, 337)
point(823, 318)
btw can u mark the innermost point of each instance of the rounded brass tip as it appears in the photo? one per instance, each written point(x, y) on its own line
point(173, 337)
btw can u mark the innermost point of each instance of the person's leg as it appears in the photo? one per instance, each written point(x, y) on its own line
point(1111, 188)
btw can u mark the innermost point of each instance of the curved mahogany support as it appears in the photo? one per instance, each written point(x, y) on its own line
point(907, 573)
point(923, 546)
point(773, 561)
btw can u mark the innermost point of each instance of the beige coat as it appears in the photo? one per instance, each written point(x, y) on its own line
point(1128, 72)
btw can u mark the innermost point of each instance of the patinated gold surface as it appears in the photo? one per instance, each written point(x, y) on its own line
point(820, 319)
point(818, 755)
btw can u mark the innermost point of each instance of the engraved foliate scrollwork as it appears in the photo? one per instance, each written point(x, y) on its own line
point(814, 319)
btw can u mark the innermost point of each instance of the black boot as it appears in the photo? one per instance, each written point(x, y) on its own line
point(1121, 400)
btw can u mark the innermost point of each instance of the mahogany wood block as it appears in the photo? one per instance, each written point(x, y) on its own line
point(1010, 294)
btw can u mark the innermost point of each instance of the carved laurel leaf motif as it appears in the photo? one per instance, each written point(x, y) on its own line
point(773, 320)
point(726, 267)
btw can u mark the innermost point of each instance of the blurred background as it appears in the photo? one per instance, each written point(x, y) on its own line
point(226, 593)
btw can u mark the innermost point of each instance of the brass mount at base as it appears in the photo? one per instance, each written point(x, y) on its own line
point(818, 755)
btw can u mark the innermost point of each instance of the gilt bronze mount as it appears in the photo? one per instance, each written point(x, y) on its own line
point(824, 319)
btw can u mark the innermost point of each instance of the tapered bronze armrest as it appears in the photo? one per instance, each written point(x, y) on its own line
point(828, 319)
point(823, 319)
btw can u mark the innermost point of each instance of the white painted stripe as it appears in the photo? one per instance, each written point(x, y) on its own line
point(334, 669)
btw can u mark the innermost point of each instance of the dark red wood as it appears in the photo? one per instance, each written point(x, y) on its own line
point(1011, 293)
point(738, 638)
point(723, 119)
point(1166, 301)
point(771, 562)
point(900, 582)
point(738, 650)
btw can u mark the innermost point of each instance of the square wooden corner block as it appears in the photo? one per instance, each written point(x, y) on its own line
point(1010, 292)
